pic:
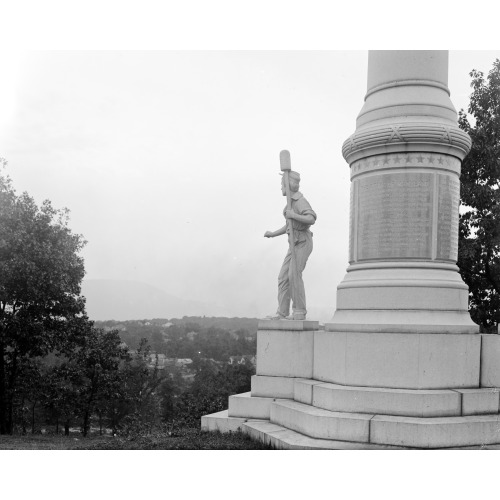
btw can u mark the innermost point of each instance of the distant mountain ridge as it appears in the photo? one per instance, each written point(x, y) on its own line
point(127, 300)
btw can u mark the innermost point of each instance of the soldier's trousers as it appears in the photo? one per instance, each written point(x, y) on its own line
point(290, 282)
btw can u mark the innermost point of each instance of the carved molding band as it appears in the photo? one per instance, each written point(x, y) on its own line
point(435, 161)
point(406, 83)
point(392, 138)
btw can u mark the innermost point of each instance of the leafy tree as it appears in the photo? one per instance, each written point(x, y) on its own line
point(26, 398)
point(94, 371)
point(142, 382)
point(40, 276)
point(157, 343)
point(61, 396)
point(168, 391)
point(479, 225)
point(210, 391)
point(31, 385)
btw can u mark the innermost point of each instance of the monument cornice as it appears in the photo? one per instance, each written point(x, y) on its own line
point(406, 137)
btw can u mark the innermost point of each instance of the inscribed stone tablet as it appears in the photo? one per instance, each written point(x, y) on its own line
point(395, 216)
point(447, 227)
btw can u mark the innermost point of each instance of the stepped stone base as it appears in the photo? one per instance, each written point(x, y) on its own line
point(320, 415)
point(294, 425)
point(317, 389)
point(281, 438)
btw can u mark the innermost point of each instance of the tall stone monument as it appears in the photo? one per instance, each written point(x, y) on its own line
point(405, 158)
point(401, 364)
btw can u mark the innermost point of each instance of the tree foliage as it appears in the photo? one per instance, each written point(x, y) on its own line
point(479, 225)
point(210, 391)
point(40, 275)
point(142, 386)
point(187, 340)
point(93, 368)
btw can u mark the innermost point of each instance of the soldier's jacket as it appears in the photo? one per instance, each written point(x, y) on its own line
point(300, 205)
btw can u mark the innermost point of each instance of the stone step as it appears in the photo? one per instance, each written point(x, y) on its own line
point(446, 432)
point(296, 425)
point(483, 401)
point(398, 402)
point(303, 390)
point(281, 438)
point(318, 423)
point(221, 422)
point(410, 432)
point(245, 405)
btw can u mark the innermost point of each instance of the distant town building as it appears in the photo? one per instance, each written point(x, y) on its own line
point(119, 327)
point(183, 361)
point(246, 359)
point(163, 361)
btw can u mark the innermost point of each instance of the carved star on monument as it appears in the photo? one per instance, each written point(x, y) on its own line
point(440, 160)
point(431, 159)
point(420, 159)
point(397, 159)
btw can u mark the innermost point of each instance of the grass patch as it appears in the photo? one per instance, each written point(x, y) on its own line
point(49, 442)
point(185, 439)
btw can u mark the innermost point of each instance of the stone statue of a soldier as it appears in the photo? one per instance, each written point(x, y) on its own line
point(290, 283)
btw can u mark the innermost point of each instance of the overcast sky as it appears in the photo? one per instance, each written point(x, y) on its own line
point(169, 161)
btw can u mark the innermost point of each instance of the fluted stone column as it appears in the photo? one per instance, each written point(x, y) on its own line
point(405, 158)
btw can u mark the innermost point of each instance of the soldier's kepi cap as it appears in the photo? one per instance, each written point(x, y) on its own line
point(293, 175)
